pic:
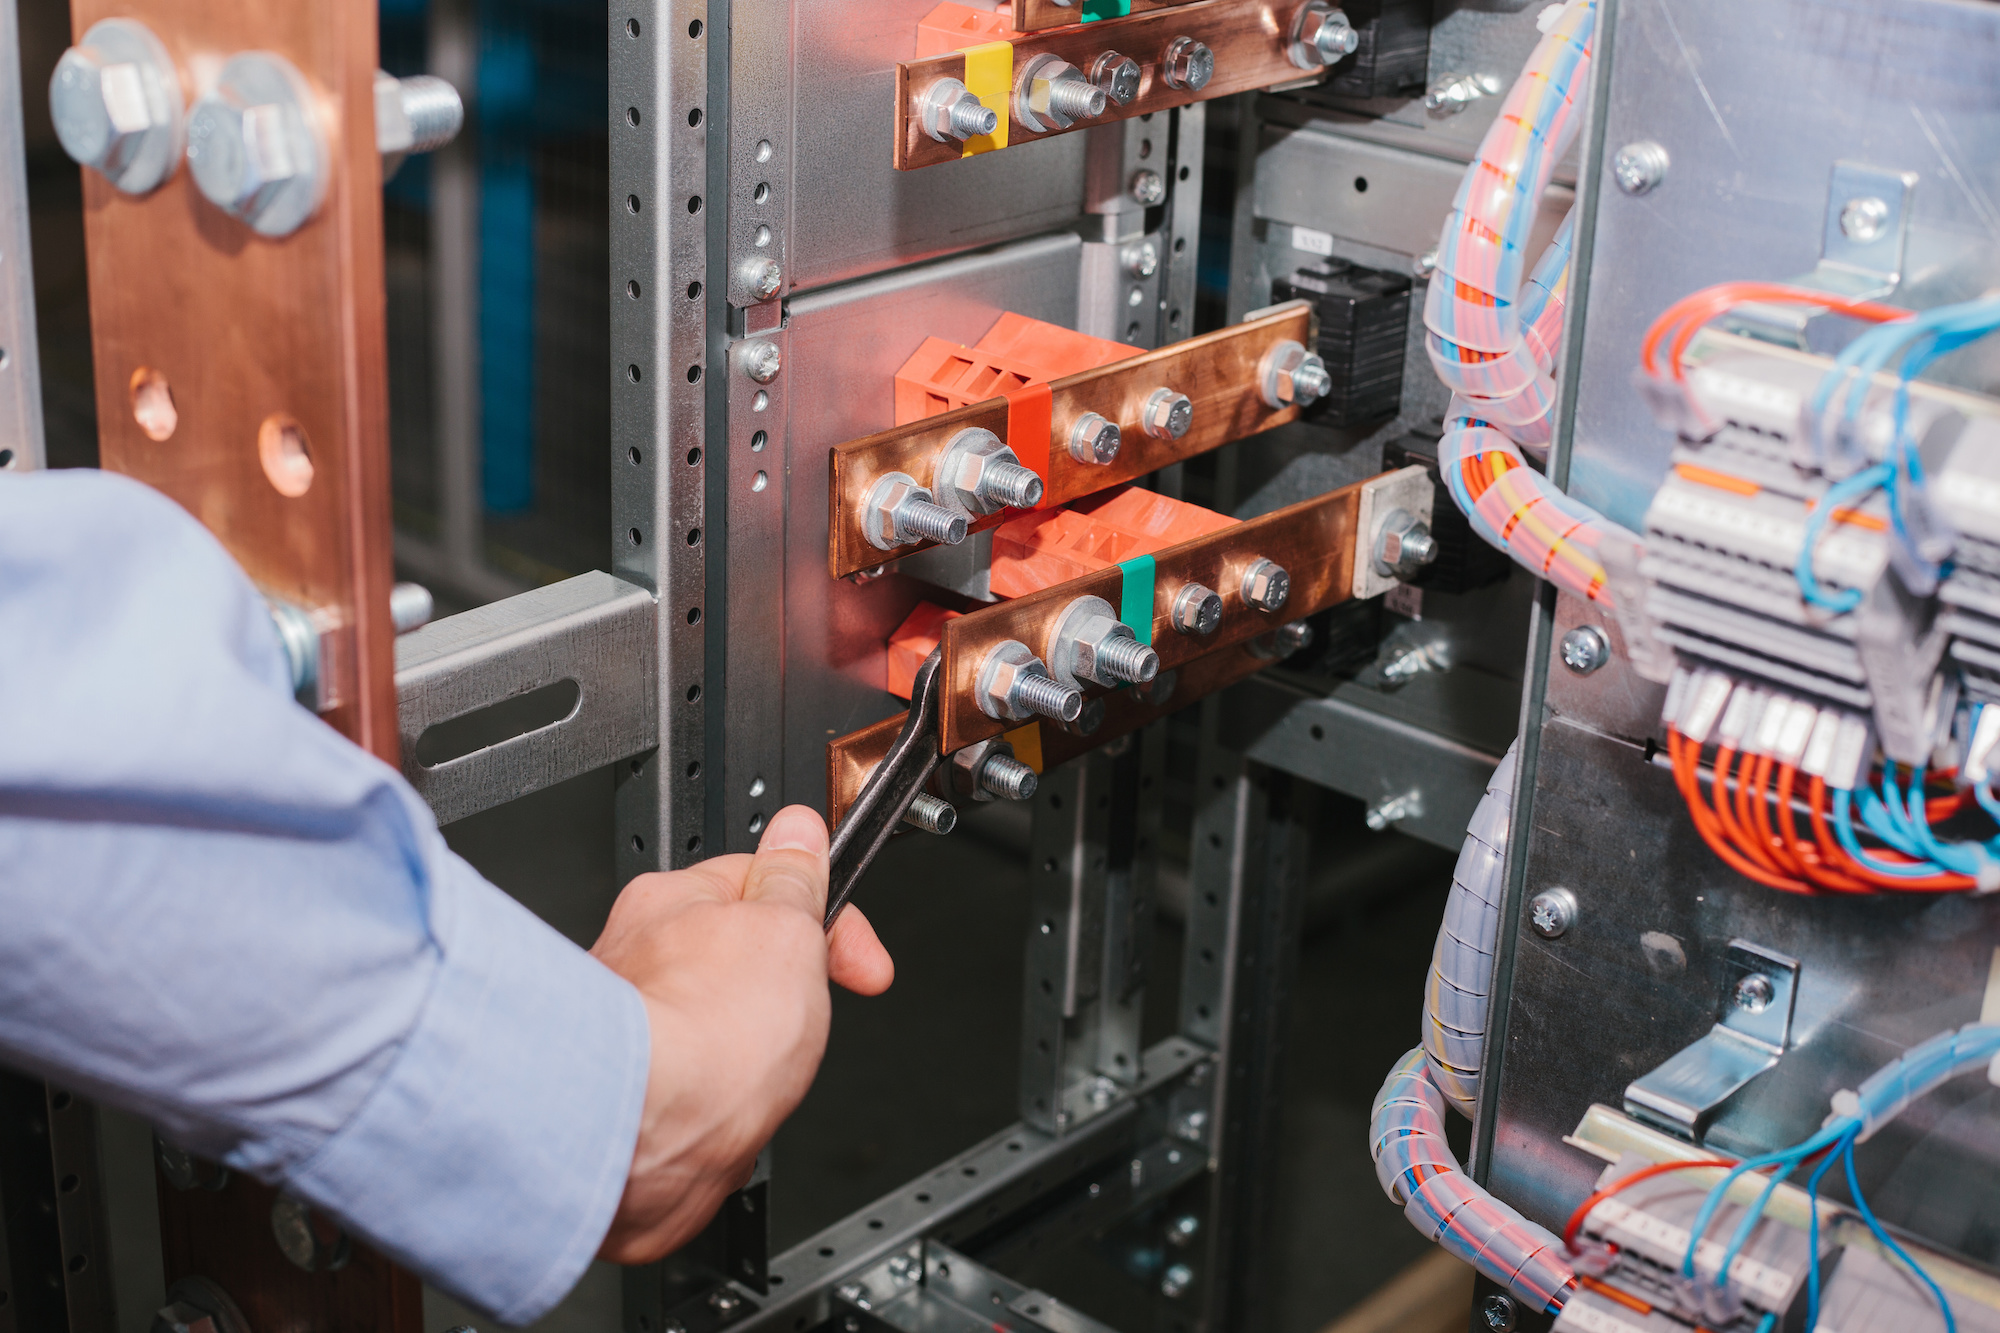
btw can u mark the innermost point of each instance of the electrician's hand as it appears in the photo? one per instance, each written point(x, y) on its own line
point(732, 963)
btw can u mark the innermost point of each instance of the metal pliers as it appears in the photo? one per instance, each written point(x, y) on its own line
point(896, 782)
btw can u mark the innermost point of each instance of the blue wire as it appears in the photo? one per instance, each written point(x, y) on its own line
point(1889, 1242)
point(1824, 1138)
point(1764, 1324)
point(1836, 497)
point(1751, 1217)
point(1843, 830)
point(1812, 1242)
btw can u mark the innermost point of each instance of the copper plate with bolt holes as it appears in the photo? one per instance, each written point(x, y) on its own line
point(203, 332)
point(1218, 370)
point(1035, 15)
point(1250, 39)
point(1313, 540)
point(850, 758)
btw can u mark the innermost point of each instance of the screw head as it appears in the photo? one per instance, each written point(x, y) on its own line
point(761, 361)
point(1552, 912)
point(254, 145)
point(1497, 1313)
point(115, 100)
point(1142, 258)
point(764, 278)
point(1754, 993)
point(1266, 585)
point(1187, 64)
point(1094, 440)
point(1864, 219)
point(1404, 546)
point(1197, 610)
point(1175, 1281)
point(1585, 649)
point(1639, 167)
point(1148, 187)
point(1117, 75)
point(1183, 1228)
point(1167, 414)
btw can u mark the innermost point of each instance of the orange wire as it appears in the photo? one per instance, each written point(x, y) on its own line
point(1686, 758)
point(1643, 1173)
point(1760, 819)
point(1805, 853)
point(1837, 856)
point(1687, 316)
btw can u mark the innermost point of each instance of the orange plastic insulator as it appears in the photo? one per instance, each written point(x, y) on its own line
point(914, 640)
point(952, 27)
point(1015, 352)
point(1053, 546)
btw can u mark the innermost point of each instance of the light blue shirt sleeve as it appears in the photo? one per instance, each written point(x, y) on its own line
point(219, 914)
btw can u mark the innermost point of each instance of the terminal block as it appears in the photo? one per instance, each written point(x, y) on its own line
point(1603, 1309)
point(1867, 1293)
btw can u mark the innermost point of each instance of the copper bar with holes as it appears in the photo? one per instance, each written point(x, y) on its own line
point(1312, 540)
point(1221, 372)
point(1250, 38)
point(1035, 15)
point(850, 758)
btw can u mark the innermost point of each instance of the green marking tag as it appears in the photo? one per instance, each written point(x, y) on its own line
point(1105, 9)
point(1135, 601)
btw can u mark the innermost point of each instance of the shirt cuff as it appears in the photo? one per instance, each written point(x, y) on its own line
point(493, 1154)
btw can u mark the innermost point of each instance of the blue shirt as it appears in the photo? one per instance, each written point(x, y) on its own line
point(221, 915)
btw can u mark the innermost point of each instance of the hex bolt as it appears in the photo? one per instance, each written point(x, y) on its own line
point(1266, 585)
point(1552, 912)
point(761, 361)
point(1053, 95)
point(931, 814)
point(115, 98)
point(1497, 1313)
point(1167, 415)
point(1091, 645)
point(1321, 36)
point(899, 512)
point(1639, 167)
point(1424, 264)
point(1585, 649)
point(980, 475)
point(1141, 259)
point(419, 114)
point(1117, 75)
point(1187, 64)
point(255, 146)
point(1404, 545)
point(1094, 440)
point(1008, 778)
point(1197, 610)
point(1290, 376)
point(1013, 685)
point(763, 279)
point(1148, 187)
point(949, 110)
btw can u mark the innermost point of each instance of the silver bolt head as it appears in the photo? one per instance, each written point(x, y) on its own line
point(764, 278)
point(1639, 167)
point(115, 100)
point(1754, 993)
point(1118, 76)
point(1167, 414)
point(1424, 264)
point(1183, 1228)
point(1864, 219)
point(996, 689)
point(1148, 187)
point(1266, 585)
point(1497, 1312)
point(1197, 610)
point(761, 361)
point(1585, 649)
point(1188, 64)
point(1450, 95)
point(1142, 258)
point(1094, 440)
point(878, 515)
point(254, 145)
point(1321, 36)
point(1552, 912)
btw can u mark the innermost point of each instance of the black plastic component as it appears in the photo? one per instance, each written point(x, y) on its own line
point(1346, 638)
point(1393, 59)
point(1464, 559)
point(1364, 318)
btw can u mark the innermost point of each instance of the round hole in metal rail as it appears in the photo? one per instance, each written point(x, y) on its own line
point(153, 403)
point(483, 728)
point(694, 116)
point(631, 115)
point(286, 455)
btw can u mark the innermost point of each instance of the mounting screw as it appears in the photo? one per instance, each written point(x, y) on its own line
point(1266, 585)
point(1394, 810)
point(1054, 95)
point(1754, 993)
point(1014, 685)
point(1187, 64)
point(1552, 912)
point(899, 512)
point(1282, 642)
point(1321, 36)
point(949, 110)
point(1167, 415)
point(1117, 75)
point(1425, 264)
point(1639, 167)
point(1404, 545)
point(1584, 649)
point(1142, 258)
point(1497, 1312)
point(1148, 187)
point(1175, 1281)
point(1197, 610)
point(1094, 440)
point(1183, 1228)
point(255, 146)
point(763, 278)
point(115, 98)
point(761, 361)
point(1864, 219)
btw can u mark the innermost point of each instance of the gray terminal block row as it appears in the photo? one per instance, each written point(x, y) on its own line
point(1867, 1293)
point(1588, 1312)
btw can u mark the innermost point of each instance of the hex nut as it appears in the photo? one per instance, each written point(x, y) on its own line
point(899, 512)
point(1187, 64)
point(948, 110)
point(1266, 585)
point(1403, 545)
point(980, 475)
point(1148, 187)
point(115, 100)
point(1167, 415)
point(966, 773)
point(1321, 36)
point(1013, 685)
point(1053, 94)
point(1090, 645)
point(1094, 440)
point(1290, 376)
point(1118, 76)
point(1196, 610)
point(1282, 642)
point(255, 146)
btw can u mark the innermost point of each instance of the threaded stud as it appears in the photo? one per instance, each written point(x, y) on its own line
point(1010, 485)
point(1007, 778)
point(1048, 697)
point(1310, 383)
point(1076, 99)
point(1127, 660)
point(970, 119)
point(434, 110)
point(931, 814)
point(922, 520)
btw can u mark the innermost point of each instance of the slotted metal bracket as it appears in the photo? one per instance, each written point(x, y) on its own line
point(1863, 237)
point(1684, 1095)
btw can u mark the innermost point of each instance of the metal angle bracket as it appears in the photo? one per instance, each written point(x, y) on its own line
point(1863, 236)
point(1684, 1095)
point(930, 1288)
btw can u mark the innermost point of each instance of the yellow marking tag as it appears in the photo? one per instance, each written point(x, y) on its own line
point(989, 74)
point(1027, 743)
